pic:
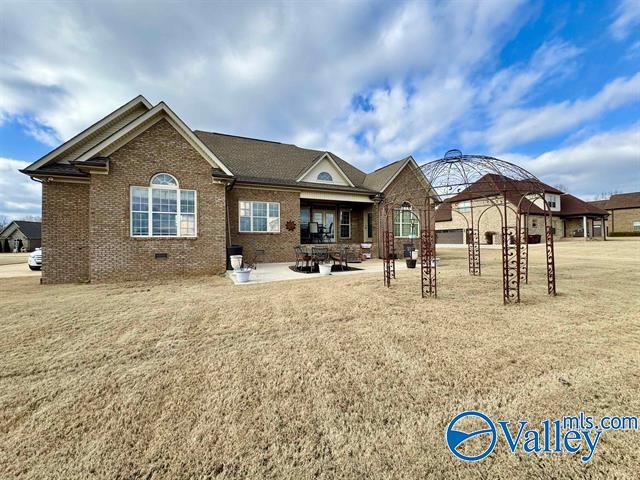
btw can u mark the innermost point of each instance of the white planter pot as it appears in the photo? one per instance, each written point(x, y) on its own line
point(243, 275)
point(236, 262)
point(325, 269)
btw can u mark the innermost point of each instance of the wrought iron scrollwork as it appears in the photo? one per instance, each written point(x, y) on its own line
point(428, 263)
point(473, 248)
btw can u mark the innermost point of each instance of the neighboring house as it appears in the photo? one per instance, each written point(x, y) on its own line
point(571, 217)
point(140, 195)
point(624, 212)
point(20, 236)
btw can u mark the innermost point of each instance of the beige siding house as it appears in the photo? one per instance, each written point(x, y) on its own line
point(571, 217)
point(624, 213)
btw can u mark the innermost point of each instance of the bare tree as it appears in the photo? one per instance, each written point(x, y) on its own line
point(31, 218)
point(606, 195)
point(4, 221)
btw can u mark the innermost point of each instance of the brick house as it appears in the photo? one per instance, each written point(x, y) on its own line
point(20, 236)
point(139, 194)
point(571, 216)
point(624, 213)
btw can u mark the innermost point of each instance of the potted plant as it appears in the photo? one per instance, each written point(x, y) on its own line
point(324, 268)
point(488, 236)
point(243, 274)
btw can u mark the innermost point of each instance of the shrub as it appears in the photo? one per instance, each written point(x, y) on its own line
point(624, 234)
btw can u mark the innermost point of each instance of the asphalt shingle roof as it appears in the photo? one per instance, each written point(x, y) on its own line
point(31, 230)
point(377, 179)
point(623, 200)
point(275, 163)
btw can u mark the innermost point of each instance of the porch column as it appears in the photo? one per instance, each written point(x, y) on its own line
point(603, 234)
point(584, 226)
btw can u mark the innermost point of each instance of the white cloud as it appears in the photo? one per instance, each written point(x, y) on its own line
point(519, 126)
point(506, 89)
point(602, 163)
point(627, 17)
point(19, 195)
point(289, 71)
point(273, 69)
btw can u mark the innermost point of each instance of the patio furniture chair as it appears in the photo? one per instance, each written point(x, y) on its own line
point(319, 254)
point(302, 257)
point(314, 232)
point(253, 263)
point(341, 258)
point(328, 235)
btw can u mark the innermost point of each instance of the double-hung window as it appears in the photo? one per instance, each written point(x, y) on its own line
point(259, 217)
point(405, 222)
point(345, 223)
point(163, 209)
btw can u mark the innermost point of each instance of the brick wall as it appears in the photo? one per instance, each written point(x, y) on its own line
point(115, 255)
point(406, 187)
point(65, 232)
point(278, 247)
point(621, 220)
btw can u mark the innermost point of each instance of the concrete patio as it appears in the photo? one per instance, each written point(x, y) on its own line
point(277, 272)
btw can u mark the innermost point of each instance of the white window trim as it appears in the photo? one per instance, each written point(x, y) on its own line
point(251, 217)
point(464, 206)
point(397, 215)
point(636, 226)
point(150, 212)
point(344, 224)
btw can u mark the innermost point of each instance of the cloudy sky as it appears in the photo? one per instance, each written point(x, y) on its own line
point(554, 87)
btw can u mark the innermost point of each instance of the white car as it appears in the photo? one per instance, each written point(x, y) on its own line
point(35, 259)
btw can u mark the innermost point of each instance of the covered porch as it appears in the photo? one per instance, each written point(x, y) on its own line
point(328, 222)
point(585, 226)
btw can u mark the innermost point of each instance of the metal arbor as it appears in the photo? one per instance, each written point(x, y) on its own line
point(471, 185)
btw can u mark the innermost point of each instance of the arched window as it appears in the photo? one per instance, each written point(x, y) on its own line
point(325, 177)
point(406, 222)
point(162, 209)
point(164, 180)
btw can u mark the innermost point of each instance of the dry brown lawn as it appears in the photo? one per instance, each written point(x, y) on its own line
point(322, 378)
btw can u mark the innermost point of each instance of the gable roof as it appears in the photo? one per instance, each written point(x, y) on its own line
point(599, 203)
point(95, 150)
point(243, 159)
point(329, 158)
point(570, 205)
point(161, 110)
point(274, 163)
point(493, 185)
point(380, 178)
point(624, 200)
point(31, 230)
point(93, 134)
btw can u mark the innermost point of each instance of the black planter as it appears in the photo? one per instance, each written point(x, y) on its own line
point(411, 263)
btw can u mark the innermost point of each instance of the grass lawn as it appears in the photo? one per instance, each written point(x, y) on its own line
point(333, 377)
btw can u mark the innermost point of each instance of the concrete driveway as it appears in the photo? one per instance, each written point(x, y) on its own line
point(15, 265)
